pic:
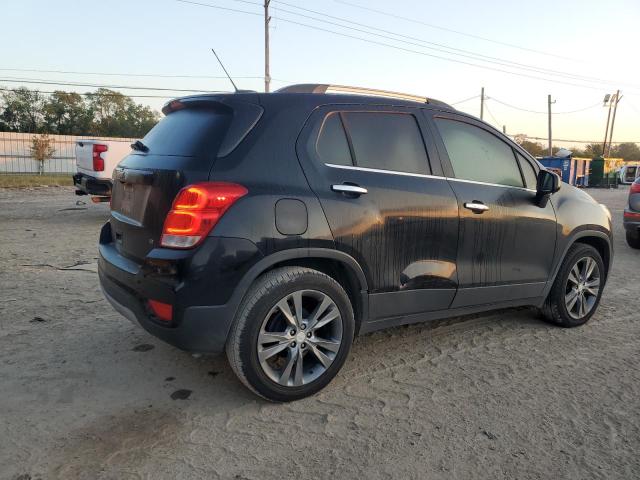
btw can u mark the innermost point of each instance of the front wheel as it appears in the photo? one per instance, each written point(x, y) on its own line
point(292, 333)
point(576, 292)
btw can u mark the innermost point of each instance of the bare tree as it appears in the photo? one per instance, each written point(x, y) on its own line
point(42, 150)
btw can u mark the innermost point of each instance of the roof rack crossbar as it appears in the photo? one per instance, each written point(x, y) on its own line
point(327, 88)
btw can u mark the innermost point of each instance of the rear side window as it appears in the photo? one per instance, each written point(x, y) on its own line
point(188, 132)
point(387, 141)
point(332, 145)
point(478, 155)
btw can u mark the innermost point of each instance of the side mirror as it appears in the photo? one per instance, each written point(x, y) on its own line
point(548, 184)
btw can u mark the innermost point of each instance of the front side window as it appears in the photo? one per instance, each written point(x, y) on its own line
point(478, 155)
point(386, 141)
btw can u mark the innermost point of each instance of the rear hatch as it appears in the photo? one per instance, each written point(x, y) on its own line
point(180, 150)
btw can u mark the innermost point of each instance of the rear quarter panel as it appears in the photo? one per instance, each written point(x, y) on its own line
point(266, 163)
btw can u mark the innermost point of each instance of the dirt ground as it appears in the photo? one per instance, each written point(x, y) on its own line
point(85, 394)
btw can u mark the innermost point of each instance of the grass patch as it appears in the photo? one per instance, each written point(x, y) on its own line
point(23, 181)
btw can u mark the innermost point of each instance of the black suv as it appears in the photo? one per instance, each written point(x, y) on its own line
point(278, 226)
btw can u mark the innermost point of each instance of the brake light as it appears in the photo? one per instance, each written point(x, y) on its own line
point(164, 311)
point(98, 160)
point(635, 187)
point(196, 210)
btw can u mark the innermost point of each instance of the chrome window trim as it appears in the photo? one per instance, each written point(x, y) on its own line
point(379, 170)
point(490, 184)
point(421, 175)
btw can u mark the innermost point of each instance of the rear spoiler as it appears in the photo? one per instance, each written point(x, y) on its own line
point(245, 115)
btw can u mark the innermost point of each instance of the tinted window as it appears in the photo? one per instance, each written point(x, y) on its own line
point(476, 154)
point(332, 146)
point(388, 141)
point(188, 132)
point(529, 173)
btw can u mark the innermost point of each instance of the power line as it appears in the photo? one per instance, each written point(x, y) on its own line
point(95, 85)
point(91, 94)
point(423, 43)
point(396, 47)
point(486, 107)
point(544, 113)
point(158, 75)
point(450, 50)
point(599, 142)
point(465, 100)
point(470, 35)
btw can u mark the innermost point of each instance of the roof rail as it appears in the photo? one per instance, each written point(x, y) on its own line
point(327, 88)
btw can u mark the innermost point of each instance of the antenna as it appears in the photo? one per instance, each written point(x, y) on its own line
point(225, 70)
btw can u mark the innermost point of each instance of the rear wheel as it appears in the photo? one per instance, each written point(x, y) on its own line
point(633, 239)
point(576, 292)
point(292, 333)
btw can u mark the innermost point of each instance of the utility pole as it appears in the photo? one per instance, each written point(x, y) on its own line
point(482, 103)
point(613, 120)
point(504, 129)
point(267, 19)
point(549, 102)
point(607, 98)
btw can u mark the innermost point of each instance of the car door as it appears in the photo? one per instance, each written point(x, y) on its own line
point(386, 203)
point(507, 239)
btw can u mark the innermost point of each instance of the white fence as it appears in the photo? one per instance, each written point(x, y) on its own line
point(16, 156)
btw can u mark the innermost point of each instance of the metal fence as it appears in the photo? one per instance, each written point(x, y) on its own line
point(16, 153)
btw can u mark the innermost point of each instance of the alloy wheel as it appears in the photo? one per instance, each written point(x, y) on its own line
point(299, 338)
point(582, 287)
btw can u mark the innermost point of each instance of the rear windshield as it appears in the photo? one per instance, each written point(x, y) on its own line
point(188, 133)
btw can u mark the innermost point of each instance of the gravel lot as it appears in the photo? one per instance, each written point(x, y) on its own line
point(85, 394)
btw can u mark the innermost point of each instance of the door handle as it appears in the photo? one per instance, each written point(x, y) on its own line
point(476, 206)
point(349, 189)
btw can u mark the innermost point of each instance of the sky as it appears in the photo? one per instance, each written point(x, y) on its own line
point(148, 43)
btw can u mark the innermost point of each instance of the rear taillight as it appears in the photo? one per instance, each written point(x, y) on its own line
point(196, 210)
point(635, 187)
point(98, 161)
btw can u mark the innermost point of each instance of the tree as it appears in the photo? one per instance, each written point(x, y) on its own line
point(628, 151)
point(102, 113)
point(66, 113)
point(41, 150)
point(115, 114)
point(534, 148)
point(22, 110)
point(142, 119)
point(593, 150)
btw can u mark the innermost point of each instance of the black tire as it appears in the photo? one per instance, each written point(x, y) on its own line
point(633, 240)
point(555, 309)
point(260, 299)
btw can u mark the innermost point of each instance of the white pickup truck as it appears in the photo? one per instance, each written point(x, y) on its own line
point(95, 161)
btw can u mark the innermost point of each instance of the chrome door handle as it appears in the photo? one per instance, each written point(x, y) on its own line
point(346, 188)
point(476, 207)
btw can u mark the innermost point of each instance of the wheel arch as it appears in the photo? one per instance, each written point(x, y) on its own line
point(339, 265)
point(595, 238)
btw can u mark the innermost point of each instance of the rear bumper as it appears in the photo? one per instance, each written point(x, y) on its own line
point(203, 306)
point(632, 224)
point(92, 186)
point(201, 329)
